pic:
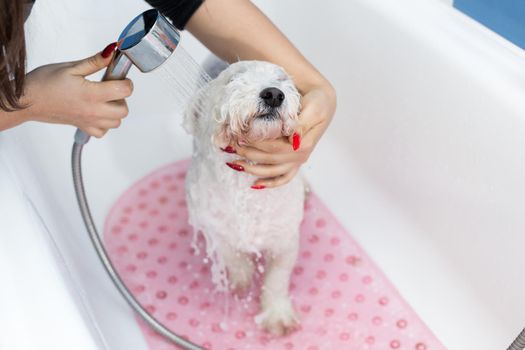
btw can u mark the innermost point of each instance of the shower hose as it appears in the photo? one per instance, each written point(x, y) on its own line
point(519, 343)
point(76, 161)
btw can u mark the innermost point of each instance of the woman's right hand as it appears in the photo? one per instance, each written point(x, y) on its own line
point(60, 93)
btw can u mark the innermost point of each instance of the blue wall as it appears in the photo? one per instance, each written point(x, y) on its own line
point(505, 17)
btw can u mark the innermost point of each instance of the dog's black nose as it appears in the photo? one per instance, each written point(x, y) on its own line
point(272, 97)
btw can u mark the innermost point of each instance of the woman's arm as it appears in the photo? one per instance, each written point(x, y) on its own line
point(9, 120)
point(60, 93)
point(238, 30)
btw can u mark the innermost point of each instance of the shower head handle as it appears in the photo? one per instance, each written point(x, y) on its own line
point(146, 42)
point(118, 68)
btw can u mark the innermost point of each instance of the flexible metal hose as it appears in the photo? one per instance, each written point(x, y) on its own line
point(519, 343)
point(76, 163)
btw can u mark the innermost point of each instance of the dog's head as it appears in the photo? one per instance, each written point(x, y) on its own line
point(251, 101)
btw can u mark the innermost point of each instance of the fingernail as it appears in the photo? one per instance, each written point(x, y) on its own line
point(228, 149)
point(108, 50)
point(235, 166)
point(258, 187)
point(296, 141)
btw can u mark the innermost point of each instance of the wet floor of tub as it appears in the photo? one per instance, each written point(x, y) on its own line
point(344, 301)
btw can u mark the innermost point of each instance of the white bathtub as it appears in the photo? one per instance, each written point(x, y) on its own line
point(424, 164)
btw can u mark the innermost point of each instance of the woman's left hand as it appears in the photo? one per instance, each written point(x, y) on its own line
point(276, 161)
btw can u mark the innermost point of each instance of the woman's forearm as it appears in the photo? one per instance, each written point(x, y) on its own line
point(237, 30)
point(9, 120)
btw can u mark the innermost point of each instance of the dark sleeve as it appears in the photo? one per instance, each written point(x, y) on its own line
point(179, 11)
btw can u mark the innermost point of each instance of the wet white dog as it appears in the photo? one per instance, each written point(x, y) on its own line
point(250, 100)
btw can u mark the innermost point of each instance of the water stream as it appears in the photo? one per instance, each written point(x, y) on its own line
point(183, 76)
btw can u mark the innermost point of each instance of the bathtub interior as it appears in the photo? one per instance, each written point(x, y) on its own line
point(421, 164)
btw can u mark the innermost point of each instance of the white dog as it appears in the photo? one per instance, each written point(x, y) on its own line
point(250, 100)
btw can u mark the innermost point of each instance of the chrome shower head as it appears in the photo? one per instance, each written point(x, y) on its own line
point(146, 42)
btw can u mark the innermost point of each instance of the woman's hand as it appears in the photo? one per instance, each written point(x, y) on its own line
point(276, 160)
point(60, 93)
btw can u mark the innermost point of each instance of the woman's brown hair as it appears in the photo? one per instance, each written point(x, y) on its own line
point(12, 53)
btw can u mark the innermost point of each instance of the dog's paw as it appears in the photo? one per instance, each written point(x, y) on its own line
point(278, 318)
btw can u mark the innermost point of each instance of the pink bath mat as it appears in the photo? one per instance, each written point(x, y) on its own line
point(344, 301)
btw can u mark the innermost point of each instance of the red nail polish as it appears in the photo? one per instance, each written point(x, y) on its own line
point(258, 187)
point(296, 141)
point(229, 149)
point(108, 50)
point(235, 166)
